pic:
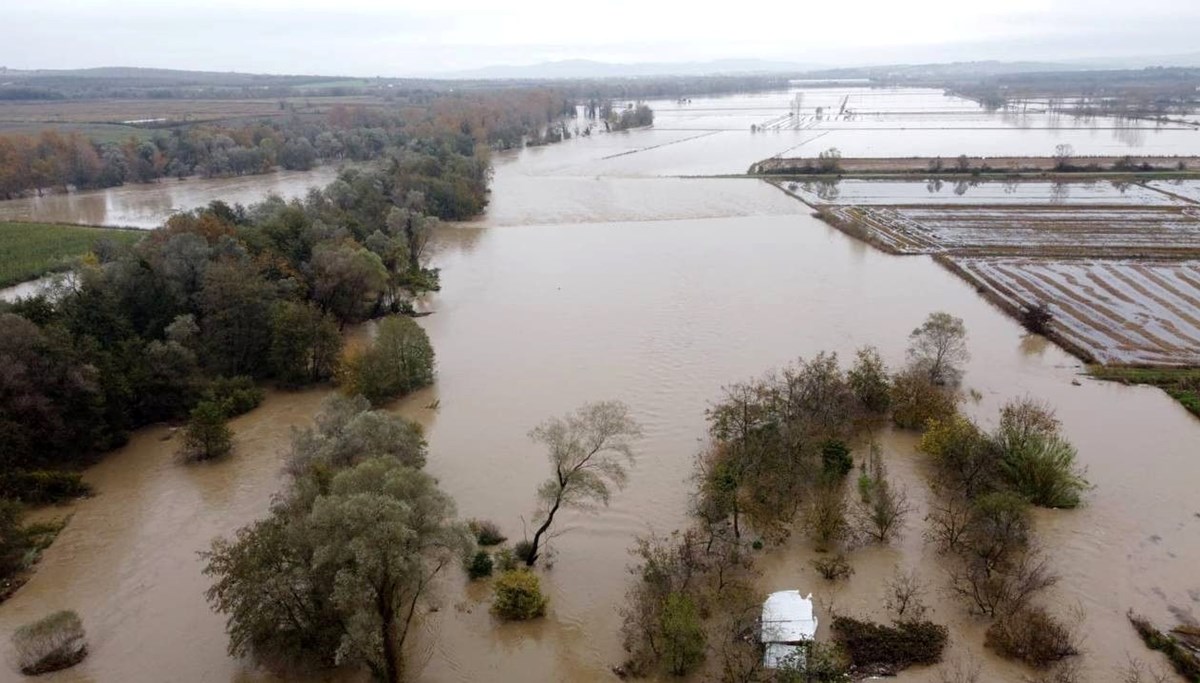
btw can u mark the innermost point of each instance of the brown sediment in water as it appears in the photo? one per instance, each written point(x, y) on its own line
point(538, 316)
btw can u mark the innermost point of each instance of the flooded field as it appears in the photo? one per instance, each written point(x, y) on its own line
point(587, 279)
point(903, 192)
point(1045, 230)
point(1126, 312)
point(148, 205)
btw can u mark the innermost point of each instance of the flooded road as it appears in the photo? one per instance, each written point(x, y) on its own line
point(580, 286)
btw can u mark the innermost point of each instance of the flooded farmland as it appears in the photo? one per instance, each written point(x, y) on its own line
point(592, 277)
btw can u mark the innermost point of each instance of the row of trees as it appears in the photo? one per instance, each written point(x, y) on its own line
point(778, 460)
point(454, 130)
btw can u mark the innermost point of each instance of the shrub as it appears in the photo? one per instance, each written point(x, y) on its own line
point(825, 516)
point(479, 565)
point(869, 381)
point(518, 596)
point(682, 634)
point(505, 560)
point(398, 362)
point(51, 643)
point(237, 395)
point(965, 457)
point(487, 533)
point(821, 663)
point(835, 459)
point(916, 400)
point(41, 487)
point(1037, 461)
point(206, 435)
point(1036, 318)
point(833, 568)
point(1186, 662)
point(523, 549)
point(1032, 635)
point(890, 648)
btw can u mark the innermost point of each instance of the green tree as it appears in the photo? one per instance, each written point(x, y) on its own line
point(347, 280)
point(588, 451)
point(206, 435)
point(305, 343)
point(236, 303)
point(399, 361)
point(939, 348)
point(683, 638)
point(869, 381)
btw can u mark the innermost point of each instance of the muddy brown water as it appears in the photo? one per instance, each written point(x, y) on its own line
point(655, 291)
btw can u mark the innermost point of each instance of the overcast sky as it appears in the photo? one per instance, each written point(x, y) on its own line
point(404, 37)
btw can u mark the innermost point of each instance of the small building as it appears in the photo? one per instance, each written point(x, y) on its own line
point(788, 625)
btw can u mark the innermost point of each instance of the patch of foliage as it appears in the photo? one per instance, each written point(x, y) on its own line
point(518, 596)
point(51, 643)
point(878, 647)
point(1185, 661)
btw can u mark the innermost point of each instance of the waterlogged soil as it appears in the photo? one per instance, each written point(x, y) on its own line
point(578, 287)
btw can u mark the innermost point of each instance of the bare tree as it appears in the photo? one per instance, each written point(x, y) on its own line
point(906, 595)
point(939, 347)
point(882, 506)
point(588, 452)
point(961, 670)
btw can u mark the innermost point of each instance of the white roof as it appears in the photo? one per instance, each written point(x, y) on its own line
point(787, 617)
point(787, 621)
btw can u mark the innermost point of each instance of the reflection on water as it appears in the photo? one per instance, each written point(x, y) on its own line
point(148, 205)
point(582, 288)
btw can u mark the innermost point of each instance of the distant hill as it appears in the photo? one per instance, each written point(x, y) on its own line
point(585, 68)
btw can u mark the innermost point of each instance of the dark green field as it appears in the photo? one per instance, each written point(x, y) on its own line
point(30, 250)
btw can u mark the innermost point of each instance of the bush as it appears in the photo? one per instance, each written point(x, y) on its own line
point(41, 487)
point(237, 395)
point(1186, 662)
point(833, 568)
point(1032, 635)
point(869, 381)
point(206, 435)
point(682, 634)
point(505, 560)
point(916, 400)
point(398, 362)
point(50, 644)
point(890, 648)
point(523, 549)
point(822, 663)
point(479, 565)
point(1036, 318)
point(518, 596)
point(1037, 461)
point(487, 533)
point(835, 459)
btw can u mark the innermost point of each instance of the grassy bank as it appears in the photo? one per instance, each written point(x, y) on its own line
point(31, 250)
point(1183, 384)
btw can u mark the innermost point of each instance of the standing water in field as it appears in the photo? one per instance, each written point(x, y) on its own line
point(589, 279)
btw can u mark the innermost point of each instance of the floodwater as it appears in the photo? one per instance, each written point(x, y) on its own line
point(147, 205)
point(580, 285)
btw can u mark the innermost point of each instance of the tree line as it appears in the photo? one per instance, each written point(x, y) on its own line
point(439, 129)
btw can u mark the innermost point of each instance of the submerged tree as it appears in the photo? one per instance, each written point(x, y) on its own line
point(588, 451)
point(939, 348)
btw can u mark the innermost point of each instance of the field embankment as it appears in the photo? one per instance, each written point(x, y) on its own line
point(964, 165)
point(31, 250)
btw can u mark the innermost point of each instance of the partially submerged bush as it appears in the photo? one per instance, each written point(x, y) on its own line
point(518, 596)
point(682, 634)
point(487, 533)
point(1036, 318)
point(479, 565)
point(206, 435)
point(523, 549)
point(1037, 461)
point(883, 648)
point(40, 487)
point(399, 361)
point(1032, 635)
point(236, 395)
point(49, 644)
point(916, 400)
point(1185, 661)
point(835, 459)
point(505, 560)
point(833, 568)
